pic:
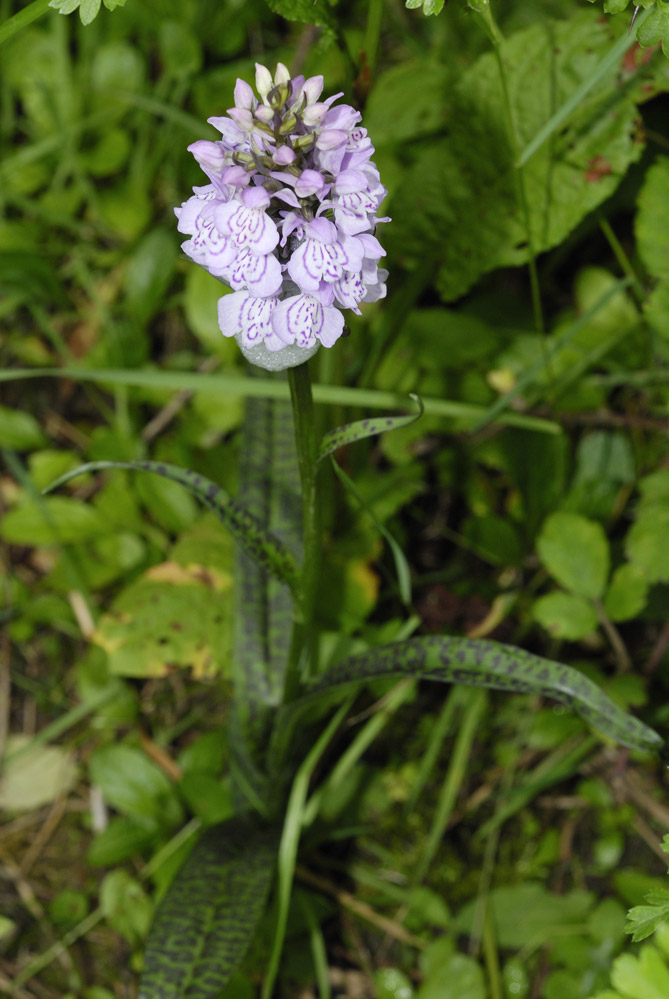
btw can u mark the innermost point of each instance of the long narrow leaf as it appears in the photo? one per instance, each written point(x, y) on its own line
point(267, 550)
point(370, 427)
point(269, 489)
point(236, 386)
point(205, 922)
point(478, 663)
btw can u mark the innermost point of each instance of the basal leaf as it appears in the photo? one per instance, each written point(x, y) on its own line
point(267, 550)
point(489, 664)
point(350, 432)
point(205, 922)
point(269, 490)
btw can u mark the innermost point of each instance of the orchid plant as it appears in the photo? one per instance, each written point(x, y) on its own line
point(287, 221)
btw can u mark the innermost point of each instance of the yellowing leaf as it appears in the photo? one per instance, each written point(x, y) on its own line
point(35, 776)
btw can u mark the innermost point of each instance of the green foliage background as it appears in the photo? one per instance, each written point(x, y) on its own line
point(489, 845)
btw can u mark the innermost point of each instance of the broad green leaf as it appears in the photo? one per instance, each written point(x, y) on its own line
point(627, 592)
point(652, 219)
point(647, 542)
point(459, 977)
point(178, 613)
point(604, 455)
point(642, 920)
point(429, 6)
point(371, 427)
point(52, 520)
point(391, 983)
point(656, 309)
point(565, 615)
point(264, 548)
point(642, 977)
point(528, 915)
point(205, 922)
point(88, 9)
point(656, 27)
point(479, 663)
point(126, 906)
point(305, 11)
point(200, 299)
point(655, 487)
point(406, 101)
point(19, 431)
point(576, 553)
point(37, 776)
point(150, 268)
point(123, 837)
point(470, 175)
point(134, 785)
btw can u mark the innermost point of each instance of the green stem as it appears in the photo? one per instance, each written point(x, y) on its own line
point(372, 33)
point(22, 19)
point(307, 451)
point(497, 39)
point(624, 261)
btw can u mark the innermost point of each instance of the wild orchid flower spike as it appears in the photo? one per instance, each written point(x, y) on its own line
point(288, 218)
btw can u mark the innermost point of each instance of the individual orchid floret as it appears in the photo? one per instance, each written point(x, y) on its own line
point(288, 219)
point(323, 256)
point(303, 320)
point(246, 222)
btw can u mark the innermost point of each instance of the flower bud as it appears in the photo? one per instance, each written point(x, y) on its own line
point(264, 114)
point(284, 156)
point(304, 142)
point(312, 89)
point(282, 74)
point(288, 124)
point(314, 114)
point(264, 81)
point(244, 97)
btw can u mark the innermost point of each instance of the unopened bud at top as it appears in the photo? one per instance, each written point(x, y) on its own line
point(244, 97)
point(264, 82)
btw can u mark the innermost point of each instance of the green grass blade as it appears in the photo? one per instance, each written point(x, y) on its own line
point(290, 839)
point(268, 551)
point(237, 386)
point(530, 373)
point(478, 663)
point(350, 432)
point(401, 564)
point(204, 924)
point(612, 57)
point(473, 705)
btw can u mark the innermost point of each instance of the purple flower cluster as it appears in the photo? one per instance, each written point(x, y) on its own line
point(288, 218)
